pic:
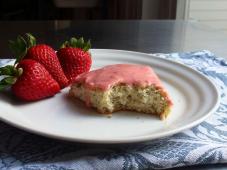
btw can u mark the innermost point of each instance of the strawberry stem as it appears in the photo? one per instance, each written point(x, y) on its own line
point(77, 43)
point(7, 82)
point(8, 70)
point(10, 74)
point(31, 40)
point(20, 46)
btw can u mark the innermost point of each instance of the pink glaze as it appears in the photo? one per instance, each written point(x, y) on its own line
point(129, 74)
point(111, 75)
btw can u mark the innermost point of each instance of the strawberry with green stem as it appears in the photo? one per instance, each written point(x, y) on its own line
point(29, 80)
point(26, 48)
point(75, 57)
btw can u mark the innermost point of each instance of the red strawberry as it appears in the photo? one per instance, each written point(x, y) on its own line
point(75, 58)
point(30, 80)
point(44, 54)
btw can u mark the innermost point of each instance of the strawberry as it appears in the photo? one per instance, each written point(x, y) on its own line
point(42, 53)
point(75, 57)
point(29, 80)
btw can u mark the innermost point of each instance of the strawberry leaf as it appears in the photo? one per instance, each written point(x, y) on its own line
point(77, 43)
point(7, 70)
point(73, 42)
point(3, 86)
point(10, 74)
point(65, 44)
point(87, 46)
point(18, 47)
point(31, 40)
point(6, 82)
point(10, 80)
point(10, 70)
point(80, 43)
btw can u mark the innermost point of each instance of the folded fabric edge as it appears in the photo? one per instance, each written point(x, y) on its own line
point(209, 54)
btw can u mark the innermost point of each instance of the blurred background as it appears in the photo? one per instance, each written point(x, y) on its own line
point(210, 12)
point(103, 21)
point(87, 9)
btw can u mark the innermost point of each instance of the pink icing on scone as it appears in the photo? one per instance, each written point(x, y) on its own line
point(130, 74)
point(110, 75)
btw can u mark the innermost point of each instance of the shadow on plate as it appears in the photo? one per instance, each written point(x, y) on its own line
point(77, 106)
point(10, 98)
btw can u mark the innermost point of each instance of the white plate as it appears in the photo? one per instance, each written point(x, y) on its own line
point(194, 97)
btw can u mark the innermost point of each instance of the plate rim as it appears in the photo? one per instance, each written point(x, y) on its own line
point(135, 139)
